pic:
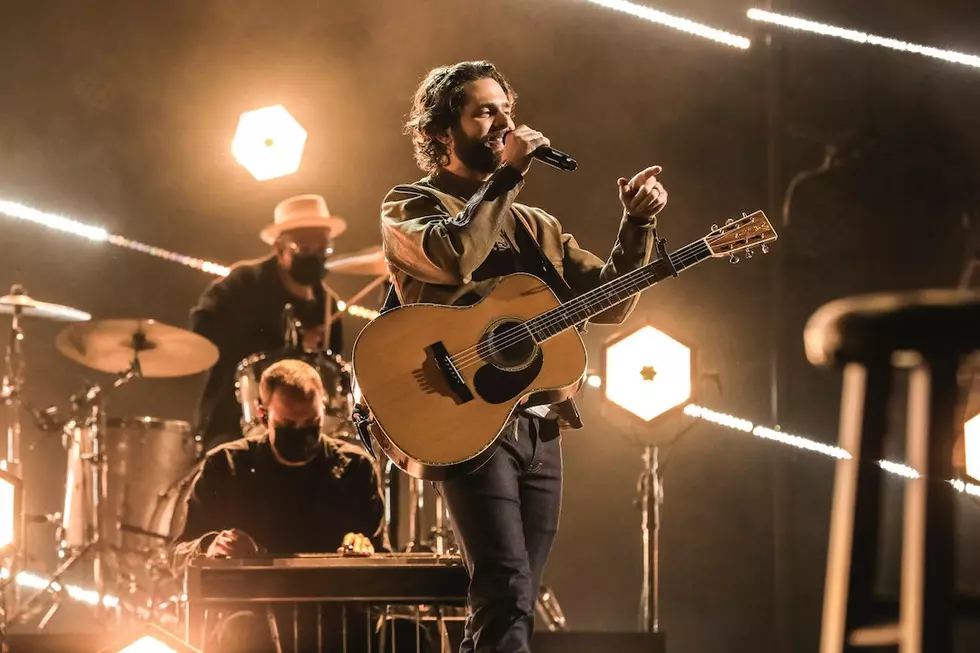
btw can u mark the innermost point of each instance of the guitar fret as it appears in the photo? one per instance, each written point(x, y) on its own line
point(611, 293)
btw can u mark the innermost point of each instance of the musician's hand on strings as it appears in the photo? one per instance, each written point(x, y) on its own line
point(232, 543)
point(356, 544)
point(643, 196)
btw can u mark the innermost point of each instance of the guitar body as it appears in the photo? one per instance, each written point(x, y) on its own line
point(439, 404)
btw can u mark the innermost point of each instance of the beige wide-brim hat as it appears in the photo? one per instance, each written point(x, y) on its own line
point(302, 212)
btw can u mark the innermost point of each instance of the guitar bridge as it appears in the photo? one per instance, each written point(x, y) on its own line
point(455, 381)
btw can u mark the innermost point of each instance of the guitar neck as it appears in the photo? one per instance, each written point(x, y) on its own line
point(589, 304)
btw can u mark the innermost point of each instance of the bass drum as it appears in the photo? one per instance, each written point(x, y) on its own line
point(145, 456)
point(333, 371)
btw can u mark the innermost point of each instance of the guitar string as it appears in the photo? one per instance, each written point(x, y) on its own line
point(563, 312)
point(517, 333)
point(587, 300)
point(682, 257)
point(467, 357)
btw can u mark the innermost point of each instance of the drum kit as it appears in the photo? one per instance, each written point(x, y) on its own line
point(127, 477)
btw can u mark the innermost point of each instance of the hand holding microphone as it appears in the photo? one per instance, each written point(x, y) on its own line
point(524, 144)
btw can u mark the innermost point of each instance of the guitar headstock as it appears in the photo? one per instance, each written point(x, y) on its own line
point(745, 233)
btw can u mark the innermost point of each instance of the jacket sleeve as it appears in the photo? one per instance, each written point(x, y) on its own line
point(421, 239)
point(369, 514)
point(634, 248)
point(204, 513)
point(209, 316)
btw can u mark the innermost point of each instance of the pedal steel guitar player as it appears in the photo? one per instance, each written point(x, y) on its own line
point(448, 239)
point(288, 491)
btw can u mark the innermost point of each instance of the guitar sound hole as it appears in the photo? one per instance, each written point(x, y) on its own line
point(511, 345)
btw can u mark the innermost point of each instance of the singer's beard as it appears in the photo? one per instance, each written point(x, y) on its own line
point(475, 153)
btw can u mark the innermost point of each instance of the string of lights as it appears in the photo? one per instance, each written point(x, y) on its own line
point(807, 444)
point(33, 581)
point(813, 27)
point(98, 234)
point(676, 22)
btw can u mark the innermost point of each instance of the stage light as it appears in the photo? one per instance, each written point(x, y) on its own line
point(68, 225)
point(150, 639)
point(746, 426)
point(52, 221)
point(675, 22)
point(792, 22)
point(647, 372)
point(971, 444)
point(11, 517)
point(269, 142)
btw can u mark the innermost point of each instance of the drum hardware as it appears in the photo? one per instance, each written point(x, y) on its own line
point(101, 453)
point(18, 304)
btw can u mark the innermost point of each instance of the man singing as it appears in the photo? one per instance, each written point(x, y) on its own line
point(290, 490)
point(242, 314)
point(448, 239)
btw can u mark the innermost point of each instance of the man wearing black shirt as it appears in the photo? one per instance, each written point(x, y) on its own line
point(242, 314)
point(287, 491)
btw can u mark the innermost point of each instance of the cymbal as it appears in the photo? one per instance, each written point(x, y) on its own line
point(370, 261)
point(33, 308)
point(161, 350)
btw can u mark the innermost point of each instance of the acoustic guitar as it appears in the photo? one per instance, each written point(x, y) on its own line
point(442, 382)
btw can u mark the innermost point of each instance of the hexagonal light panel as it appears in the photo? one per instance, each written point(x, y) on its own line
point(647, 372)
point(10, 508)
point(971, 432)
point(269, 142)
point(149, 639)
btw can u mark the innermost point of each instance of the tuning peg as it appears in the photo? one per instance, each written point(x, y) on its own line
point(749, 253)
point(714, 227)
point(733, 259)
point(729, 221)
point(765, 248)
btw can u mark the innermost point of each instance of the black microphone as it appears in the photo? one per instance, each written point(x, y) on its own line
point(551, 156)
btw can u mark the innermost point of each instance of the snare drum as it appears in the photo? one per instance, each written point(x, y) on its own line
point(334, 373)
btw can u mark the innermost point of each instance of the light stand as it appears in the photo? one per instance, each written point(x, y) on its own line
point(649, 377)
point(92, 400)
point(651, 497)
point(11, 392)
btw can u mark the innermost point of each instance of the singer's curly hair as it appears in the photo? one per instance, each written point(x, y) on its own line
point(437, 105)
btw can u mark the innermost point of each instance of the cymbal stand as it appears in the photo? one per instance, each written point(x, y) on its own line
point(12, 396)
point(95, 547)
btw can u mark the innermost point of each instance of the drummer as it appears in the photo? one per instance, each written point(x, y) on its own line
point(242, 314)
point(286, 491)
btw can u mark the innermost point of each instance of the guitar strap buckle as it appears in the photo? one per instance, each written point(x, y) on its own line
point(361, 416)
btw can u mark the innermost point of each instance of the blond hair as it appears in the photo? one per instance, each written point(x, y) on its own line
point(295, 378)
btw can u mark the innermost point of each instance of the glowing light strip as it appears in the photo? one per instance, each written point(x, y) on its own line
point(805, 25)
point(98, 234)
point(675, 22)
point(33, 581)
point(745, 426)
point(53, 221)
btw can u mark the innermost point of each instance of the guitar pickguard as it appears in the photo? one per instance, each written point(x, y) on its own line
point(497, 386)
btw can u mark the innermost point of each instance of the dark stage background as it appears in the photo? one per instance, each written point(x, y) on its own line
point(121, 114)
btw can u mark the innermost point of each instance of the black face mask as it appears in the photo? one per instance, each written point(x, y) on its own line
point(296, 444)
point(307, 269)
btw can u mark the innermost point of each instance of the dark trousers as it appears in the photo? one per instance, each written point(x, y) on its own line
point(505, 517)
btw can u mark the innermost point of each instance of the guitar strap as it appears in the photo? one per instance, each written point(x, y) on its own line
point(533, 259)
